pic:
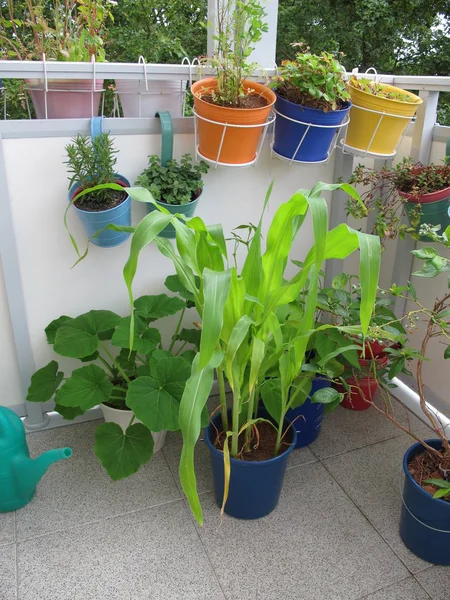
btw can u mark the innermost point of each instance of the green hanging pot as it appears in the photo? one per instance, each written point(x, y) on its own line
point(435, 208)
point(187, 210)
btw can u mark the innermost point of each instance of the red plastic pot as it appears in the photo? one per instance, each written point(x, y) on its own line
point(362, 391)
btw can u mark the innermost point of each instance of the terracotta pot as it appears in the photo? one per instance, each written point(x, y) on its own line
point(239, 144)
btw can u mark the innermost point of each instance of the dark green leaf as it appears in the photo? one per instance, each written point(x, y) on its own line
point(447, 352)
point(44, 383)
point(68, 412)
point(151, 308)
point(174, 284)
point(271, 396)
point(121, 453)
point(50, 330)
point(86, 388)
point(91, 357)
point(326, 396)
point(190, 335)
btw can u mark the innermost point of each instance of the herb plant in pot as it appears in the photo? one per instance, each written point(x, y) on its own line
point(96, 191)
point(242, 341)
point(380, 114)
point(68, 31)
point(231, 99)
point(177, 186)
point(138, 385)
point(312, 101)
point(423, 191)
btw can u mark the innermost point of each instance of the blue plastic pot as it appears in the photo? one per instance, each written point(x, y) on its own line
point(94, 221)
point(185, 209)
point(317, 141)
point(310, 416)
point(255, 486)
point(424, 522)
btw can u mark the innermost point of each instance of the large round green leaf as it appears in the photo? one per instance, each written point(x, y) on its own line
point(78, 337)
point(44, 383)
point(52, 328)
point(151, 308)
point(156, 400)
point(87, 388)
point(69, 412)
point(121, 453)
point(145, 340)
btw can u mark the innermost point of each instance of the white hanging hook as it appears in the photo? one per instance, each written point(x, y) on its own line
point(376, 78)
point(45, 85)
point(141, 61)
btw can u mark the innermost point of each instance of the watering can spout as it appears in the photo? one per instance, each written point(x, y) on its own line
point(29, 471)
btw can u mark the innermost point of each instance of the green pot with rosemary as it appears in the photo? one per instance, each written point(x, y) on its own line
point(176, 186)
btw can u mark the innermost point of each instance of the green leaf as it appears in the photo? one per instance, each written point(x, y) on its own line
point(216, 287)
point(44, 383)
point(189, 355)
point(91, 357)
point(326, 396)
point(340, 282)
point(440, 483)
point(271, 396)
point(369, 271)
point(443, 493)
point(155, 357)
point(52, 328)
point(86, 388)
point(145, 340)
point(156, 400)
point(190, 335)
point(79, 337)
point(432, 267)
point(425, 252)
point(141, 194)
point(68, 412)
point(447, 352)
point(121, 454)
point(126, 360)
point(174, 284)
point(151, 308)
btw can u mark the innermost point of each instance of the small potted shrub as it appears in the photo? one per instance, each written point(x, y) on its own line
point(242, 341)
point(231, 98)
point(67, 31)
point(177, 186)
point(423, 191)
point(96, 190)
point(138, 388)
point(311, 89)
point(365, 131)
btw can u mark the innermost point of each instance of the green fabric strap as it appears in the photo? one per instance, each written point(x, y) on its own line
point(166, 136)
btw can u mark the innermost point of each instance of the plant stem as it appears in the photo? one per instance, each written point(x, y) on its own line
point(177, 329)
point(131, 421)
point(177, 353)
point(107, 365)
point(223, 398)
point(235, 423)
point(251, 402)
point(118, 367)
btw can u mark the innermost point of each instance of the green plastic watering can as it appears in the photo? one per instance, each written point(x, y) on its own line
point(20, 474)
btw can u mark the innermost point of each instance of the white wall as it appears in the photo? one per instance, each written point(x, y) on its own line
point(38, 201)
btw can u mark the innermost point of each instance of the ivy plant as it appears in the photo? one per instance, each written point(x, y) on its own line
point(175, 183)
point(138, 376)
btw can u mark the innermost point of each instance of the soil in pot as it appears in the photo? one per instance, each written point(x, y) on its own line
point(103, 200)
point(248, 101)
point(261, 447)
point(423, 466)
point(293, 94)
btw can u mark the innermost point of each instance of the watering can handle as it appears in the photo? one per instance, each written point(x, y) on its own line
point(166, 136)
point(96, 126)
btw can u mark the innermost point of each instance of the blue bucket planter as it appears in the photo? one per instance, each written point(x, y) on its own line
point(309, 415)
point(186, 209)
point(317, 141)
point(255, 486)
point(424, 522)
point(94, 221)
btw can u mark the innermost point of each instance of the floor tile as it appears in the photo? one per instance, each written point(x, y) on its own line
point(345, 430)
point(301, 456)
point(436, 581)
point(408, 589)
point(7, 535)
point(372, 477)
point(154, 554)
point(8, 586)
point(315, 545)
point(78, 490)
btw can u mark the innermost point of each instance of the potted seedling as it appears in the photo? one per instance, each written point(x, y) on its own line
point(69, 31)
point(137, 384)
point(423, 191)
point(176, 186)
point(380, 114)
point(242, 341)
point(312, 98)
point(96, 191)
point(231, 98)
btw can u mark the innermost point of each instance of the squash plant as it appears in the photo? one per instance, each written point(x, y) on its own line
point(241, 336)
point(139, 375)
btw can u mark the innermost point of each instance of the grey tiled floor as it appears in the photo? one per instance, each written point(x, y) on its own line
point(332, 537)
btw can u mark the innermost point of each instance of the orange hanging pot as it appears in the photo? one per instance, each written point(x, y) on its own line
point(230, 145)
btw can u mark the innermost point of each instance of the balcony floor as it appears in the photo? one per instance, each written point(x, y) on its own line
point(333, 536)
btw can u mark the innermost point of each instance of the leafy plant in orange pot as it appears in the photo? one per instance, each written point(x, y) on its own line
point(229, 108)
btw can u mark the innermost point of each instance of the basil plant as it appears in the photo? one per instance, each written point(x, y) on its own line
point(243, 337)
point(136, 375)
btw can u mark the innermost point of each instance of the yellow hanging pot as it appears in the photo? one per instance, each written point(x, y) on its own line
point(379, 127)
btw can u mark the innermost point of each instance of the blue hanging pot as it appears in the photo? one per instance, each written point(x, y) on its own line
point(184, 209)
point(307, 418)
point(255, 486)
point(317, 141)
point(424, 521)
point(94, 221)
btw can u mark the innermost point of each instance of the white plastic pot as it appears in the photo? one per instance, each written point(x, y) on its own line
point(66, 99)
point(137, 101)
point(123, 417)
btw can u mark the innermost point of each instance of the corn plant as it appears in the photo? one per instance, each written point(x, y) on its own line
point(241, 334)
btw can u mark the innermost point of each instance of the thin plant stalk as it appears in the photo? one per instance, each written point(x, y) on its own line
point(223, 398)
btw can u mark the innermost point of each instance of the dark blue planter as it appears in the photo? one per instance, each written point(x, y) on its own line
point(420, 513)
point(317, 142)
point(254, 486)
point(94, 221)
point(310, 416)
point(187, 210)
